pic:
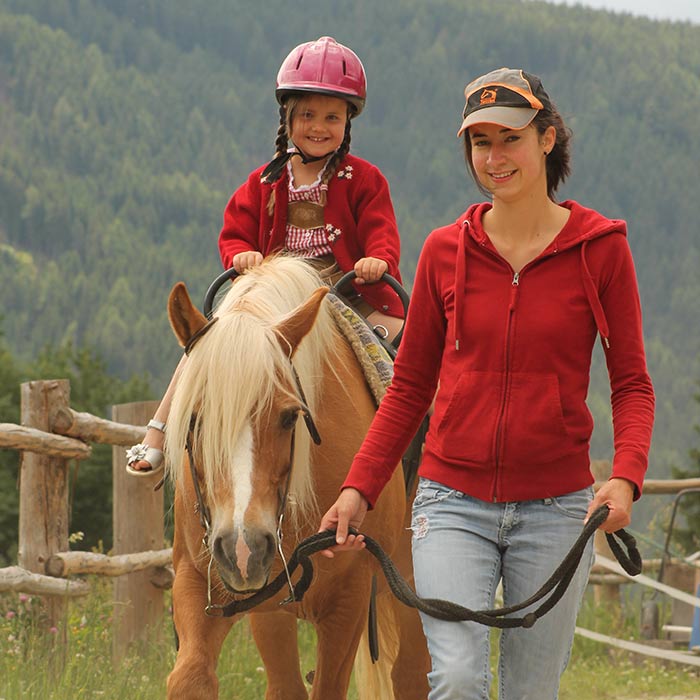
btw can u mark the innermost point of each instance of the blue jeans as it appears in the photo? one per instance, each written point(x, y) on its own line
point(462, 548)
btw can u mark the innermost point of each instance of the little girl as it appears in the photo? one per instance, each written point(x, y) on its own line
point(313, 200)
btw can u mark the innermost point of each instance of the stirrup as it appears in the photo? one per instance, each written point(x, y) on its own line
point(141, 452)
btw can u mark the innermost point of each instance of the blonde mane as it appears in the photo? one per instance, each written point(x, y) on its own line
point(236, 369)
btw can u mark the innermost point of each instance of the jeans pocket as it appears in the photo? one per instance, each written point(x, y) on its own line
point(429, 492)
point(575, 504)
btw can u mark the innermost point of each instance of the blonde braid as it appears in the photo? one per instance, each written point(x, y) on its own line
point(334, 162)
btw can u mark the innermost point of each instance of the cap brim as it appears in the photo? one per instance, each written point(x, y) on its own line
point(510, 117)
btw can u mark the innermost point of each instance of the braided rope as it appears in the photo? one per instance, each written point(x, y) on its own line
point(444, 609)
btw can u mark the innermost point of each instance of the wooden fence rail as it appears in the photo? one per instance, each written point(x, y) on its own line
point(51, 434)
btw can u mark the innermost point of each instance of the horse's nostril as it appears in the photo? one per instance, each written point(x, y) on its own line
point(224, 550)
point(264, 543)
point(270, 547)
point(218, 548)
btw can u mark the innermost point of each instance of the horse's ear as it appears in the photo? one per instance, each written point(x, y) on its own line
point(185, 318)
point(294, 327)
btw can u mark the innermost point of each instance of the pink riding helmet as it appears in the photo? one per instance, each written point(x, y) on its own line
point(325, 67)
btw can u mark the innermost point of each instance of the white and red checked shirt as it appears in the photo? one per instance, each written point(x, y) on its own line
point(307, 242)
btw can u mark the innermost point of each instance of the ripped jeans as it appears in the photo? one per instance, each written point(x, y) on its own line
point(462, 549)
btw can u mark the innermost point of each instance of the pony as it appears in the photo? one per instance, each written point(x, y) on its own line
point(252, 484)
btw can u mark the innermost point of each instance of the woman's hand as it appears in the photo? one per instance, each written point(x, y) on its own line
point(618, 495)
point(242, 261)
point(370, 270)
point(348, 511)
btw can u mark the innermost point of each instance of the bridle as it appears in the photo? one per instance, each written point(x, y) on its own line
point(202, 509)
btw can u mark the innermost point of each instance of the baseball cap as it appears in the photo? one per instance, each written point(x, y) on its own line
point(508, 97)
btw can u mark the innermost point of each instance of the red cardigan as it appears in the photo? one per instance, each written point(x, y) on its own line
point(512, 356)
point(359, 218)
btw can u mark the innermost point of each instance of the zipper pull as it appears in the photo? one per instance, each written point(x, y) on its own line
point(514, 291)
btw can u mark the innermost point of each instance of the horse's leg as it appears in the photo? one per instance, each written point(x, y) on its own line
point(410, 672)
point(201, 637)
point(338, 631)
point(412, 664)
point(275, 635)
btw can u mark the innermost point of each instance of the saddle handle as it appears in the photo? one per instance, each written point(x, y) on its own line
point(345, 280)
point(214, 288)
point(231, 274)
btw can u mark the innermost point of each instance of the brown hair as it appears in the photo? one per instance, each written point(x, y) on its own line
point(558, 161)
point(282, 141)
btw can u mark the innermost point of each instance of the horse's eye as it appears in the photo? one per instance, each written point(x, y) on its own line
point(289, 419)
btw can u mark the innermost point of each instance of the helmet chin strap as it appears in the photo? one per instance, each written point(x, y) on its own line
point(308, 159)
point(274, 168)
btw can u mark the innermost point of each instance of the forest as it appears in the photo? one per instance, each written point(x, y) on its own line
point(126, 124)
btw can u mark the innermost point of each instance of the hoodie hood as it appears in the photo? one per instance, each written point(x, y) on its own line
point(583, 226)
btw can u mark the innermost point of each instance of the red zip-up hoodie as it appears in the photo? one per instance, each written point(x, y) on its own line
point(511, 354)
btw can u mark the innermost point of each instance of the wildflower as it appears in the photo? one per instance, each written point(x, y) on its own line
point(10, 614)
point(53, 630)
point(23, 597)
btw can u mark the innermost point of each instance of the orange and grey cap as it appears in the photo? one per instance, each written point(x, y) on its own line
point(507, 97)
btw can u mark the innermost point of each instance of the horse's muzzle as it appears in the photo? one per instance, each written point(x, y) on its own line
point(244, 558)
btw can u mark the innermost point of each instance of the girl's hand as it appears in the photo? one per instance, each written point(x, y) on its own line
point(618, 495)
point(348, 510)
point(370, 270)
point(242, 261)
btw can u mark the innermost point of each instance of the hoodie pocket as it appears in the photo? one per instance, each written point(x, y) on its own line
point(534, 430)
point(466, 427)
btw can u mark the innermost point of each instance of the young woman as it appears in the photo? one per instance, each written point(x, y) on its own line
point(313, 199)
point(506, 306)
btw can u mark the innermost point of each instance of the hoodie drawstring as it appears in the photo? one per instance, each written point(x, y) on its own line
point(589, 287)
point(594, 300)
point(460, 279)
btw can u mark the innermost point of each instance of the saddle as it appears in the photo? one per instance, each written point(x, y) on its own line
point(377, 362)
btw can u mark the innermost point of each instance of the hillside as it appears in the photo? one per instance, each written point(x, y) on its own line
point(126, 124)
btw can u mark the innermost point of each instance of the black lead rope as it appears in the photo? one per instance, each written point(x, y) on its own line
point(557, 583)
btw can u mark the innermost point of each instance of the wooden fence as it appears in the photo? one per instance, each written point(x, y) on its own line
point(50, 436)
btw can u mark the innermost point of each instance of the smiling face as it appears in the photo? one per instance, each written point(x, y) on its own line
point(507, 162)
point(318, 124)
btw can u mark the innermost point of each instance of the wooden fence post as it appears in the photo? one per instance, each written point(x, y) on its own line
point(138, 526)
point(43, 499)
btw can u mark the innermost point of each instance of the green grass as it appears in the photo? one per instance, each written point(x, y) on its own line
point(599, 672)
point(36, 665)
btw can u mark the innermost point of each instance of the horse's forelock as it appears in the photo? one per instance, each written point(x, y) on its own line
point(236, 371)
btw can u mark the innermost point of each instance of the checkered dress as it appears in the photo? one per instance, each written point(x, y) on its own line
point(307, 242)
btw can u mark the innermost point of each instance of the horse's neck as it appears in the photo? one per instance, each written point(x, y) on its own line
point(344, 411)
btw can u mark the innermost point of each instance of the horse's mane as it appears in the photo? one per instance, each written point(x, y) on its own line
point(236, 369)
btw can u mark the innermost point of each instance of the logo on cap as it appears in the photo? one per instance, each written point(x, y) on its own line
point(488, 96)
